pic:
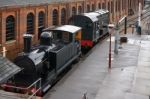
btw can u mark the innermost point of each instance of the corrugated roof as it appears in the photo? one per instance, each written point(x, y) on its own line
point(8, 3)
point(7, 69)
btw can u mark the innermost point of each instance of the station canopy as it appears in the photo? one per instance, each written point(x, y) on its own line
point(7, 69)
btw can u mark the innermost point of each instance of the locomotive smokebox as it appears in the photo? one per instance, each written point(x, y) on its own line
point(27, 42)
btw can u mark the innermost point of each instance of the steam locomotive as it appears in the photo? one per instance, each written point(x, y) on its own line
point(58, 47)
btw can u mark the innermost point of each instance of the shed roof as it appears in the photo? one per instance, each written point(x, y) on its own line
point(7, 69)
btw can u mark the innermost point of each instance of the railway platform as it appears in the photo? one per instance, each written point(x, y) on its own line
point(129, 77)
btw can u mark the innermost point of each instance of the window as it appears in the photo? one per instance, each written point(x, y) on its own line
point(88, 8)
point(55, 17)
point(123, 4)
point(93, 7)
point(41, 23)
point(109, 6)
point(103, 6)
point(65, 37)
point(116, 6)
point(73, 11)
point(10, 28)
point(119, 5)
point(41, 19)
point(79, 10)
point(30, 23)
point(99, 5)
point(112, 7)
point(63, 16)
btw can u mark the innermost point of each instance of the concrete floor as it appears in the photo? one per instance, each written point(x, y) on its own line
point(129, 77)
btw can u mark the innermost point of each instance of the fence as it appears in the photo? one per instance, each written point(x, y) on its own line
point(28, 95)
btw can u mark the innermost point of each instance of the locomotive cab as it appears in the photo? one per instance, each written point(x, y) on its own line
point(65, 35)
point(67, 39)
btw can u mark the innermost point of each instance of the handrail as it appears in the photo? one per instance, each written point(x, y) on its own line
point(36, 84)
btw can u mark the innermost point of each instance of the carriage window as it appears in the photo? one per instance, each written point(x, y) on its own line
point(65, 37)
point(57, 36)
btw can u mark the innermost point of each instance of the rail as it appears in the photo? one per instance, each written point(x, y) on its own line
point(28, 95)
point(132, 20)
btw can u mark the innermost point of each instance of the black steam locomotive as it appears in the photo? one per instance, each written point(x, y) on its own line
point(93, 26)
point(58, 48)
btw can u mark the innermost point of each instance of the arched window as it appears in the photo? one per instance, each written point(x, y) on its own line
point(99, 5)
point(79, 9)
point(55, 17)
point(109, 6)
point(41, 23)
point(30, 23)
point(63, 16)
point(74, 11)
point(103, 6)
point(10, 28)
point(88, 8)
point(93, 7)
point(112, 6)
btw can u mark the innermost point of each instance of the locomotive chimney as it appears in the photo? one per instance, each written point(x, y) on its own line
point(27, 42)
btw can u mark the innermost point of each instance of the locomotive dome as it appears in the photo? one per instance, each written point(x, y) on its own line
point(46, 38)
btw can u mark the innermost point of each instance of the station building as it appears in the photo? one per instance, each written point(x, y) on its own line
point(18, 17)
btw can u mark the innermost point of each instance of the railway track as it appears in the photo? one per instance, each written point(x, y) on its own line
point(131, 21)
